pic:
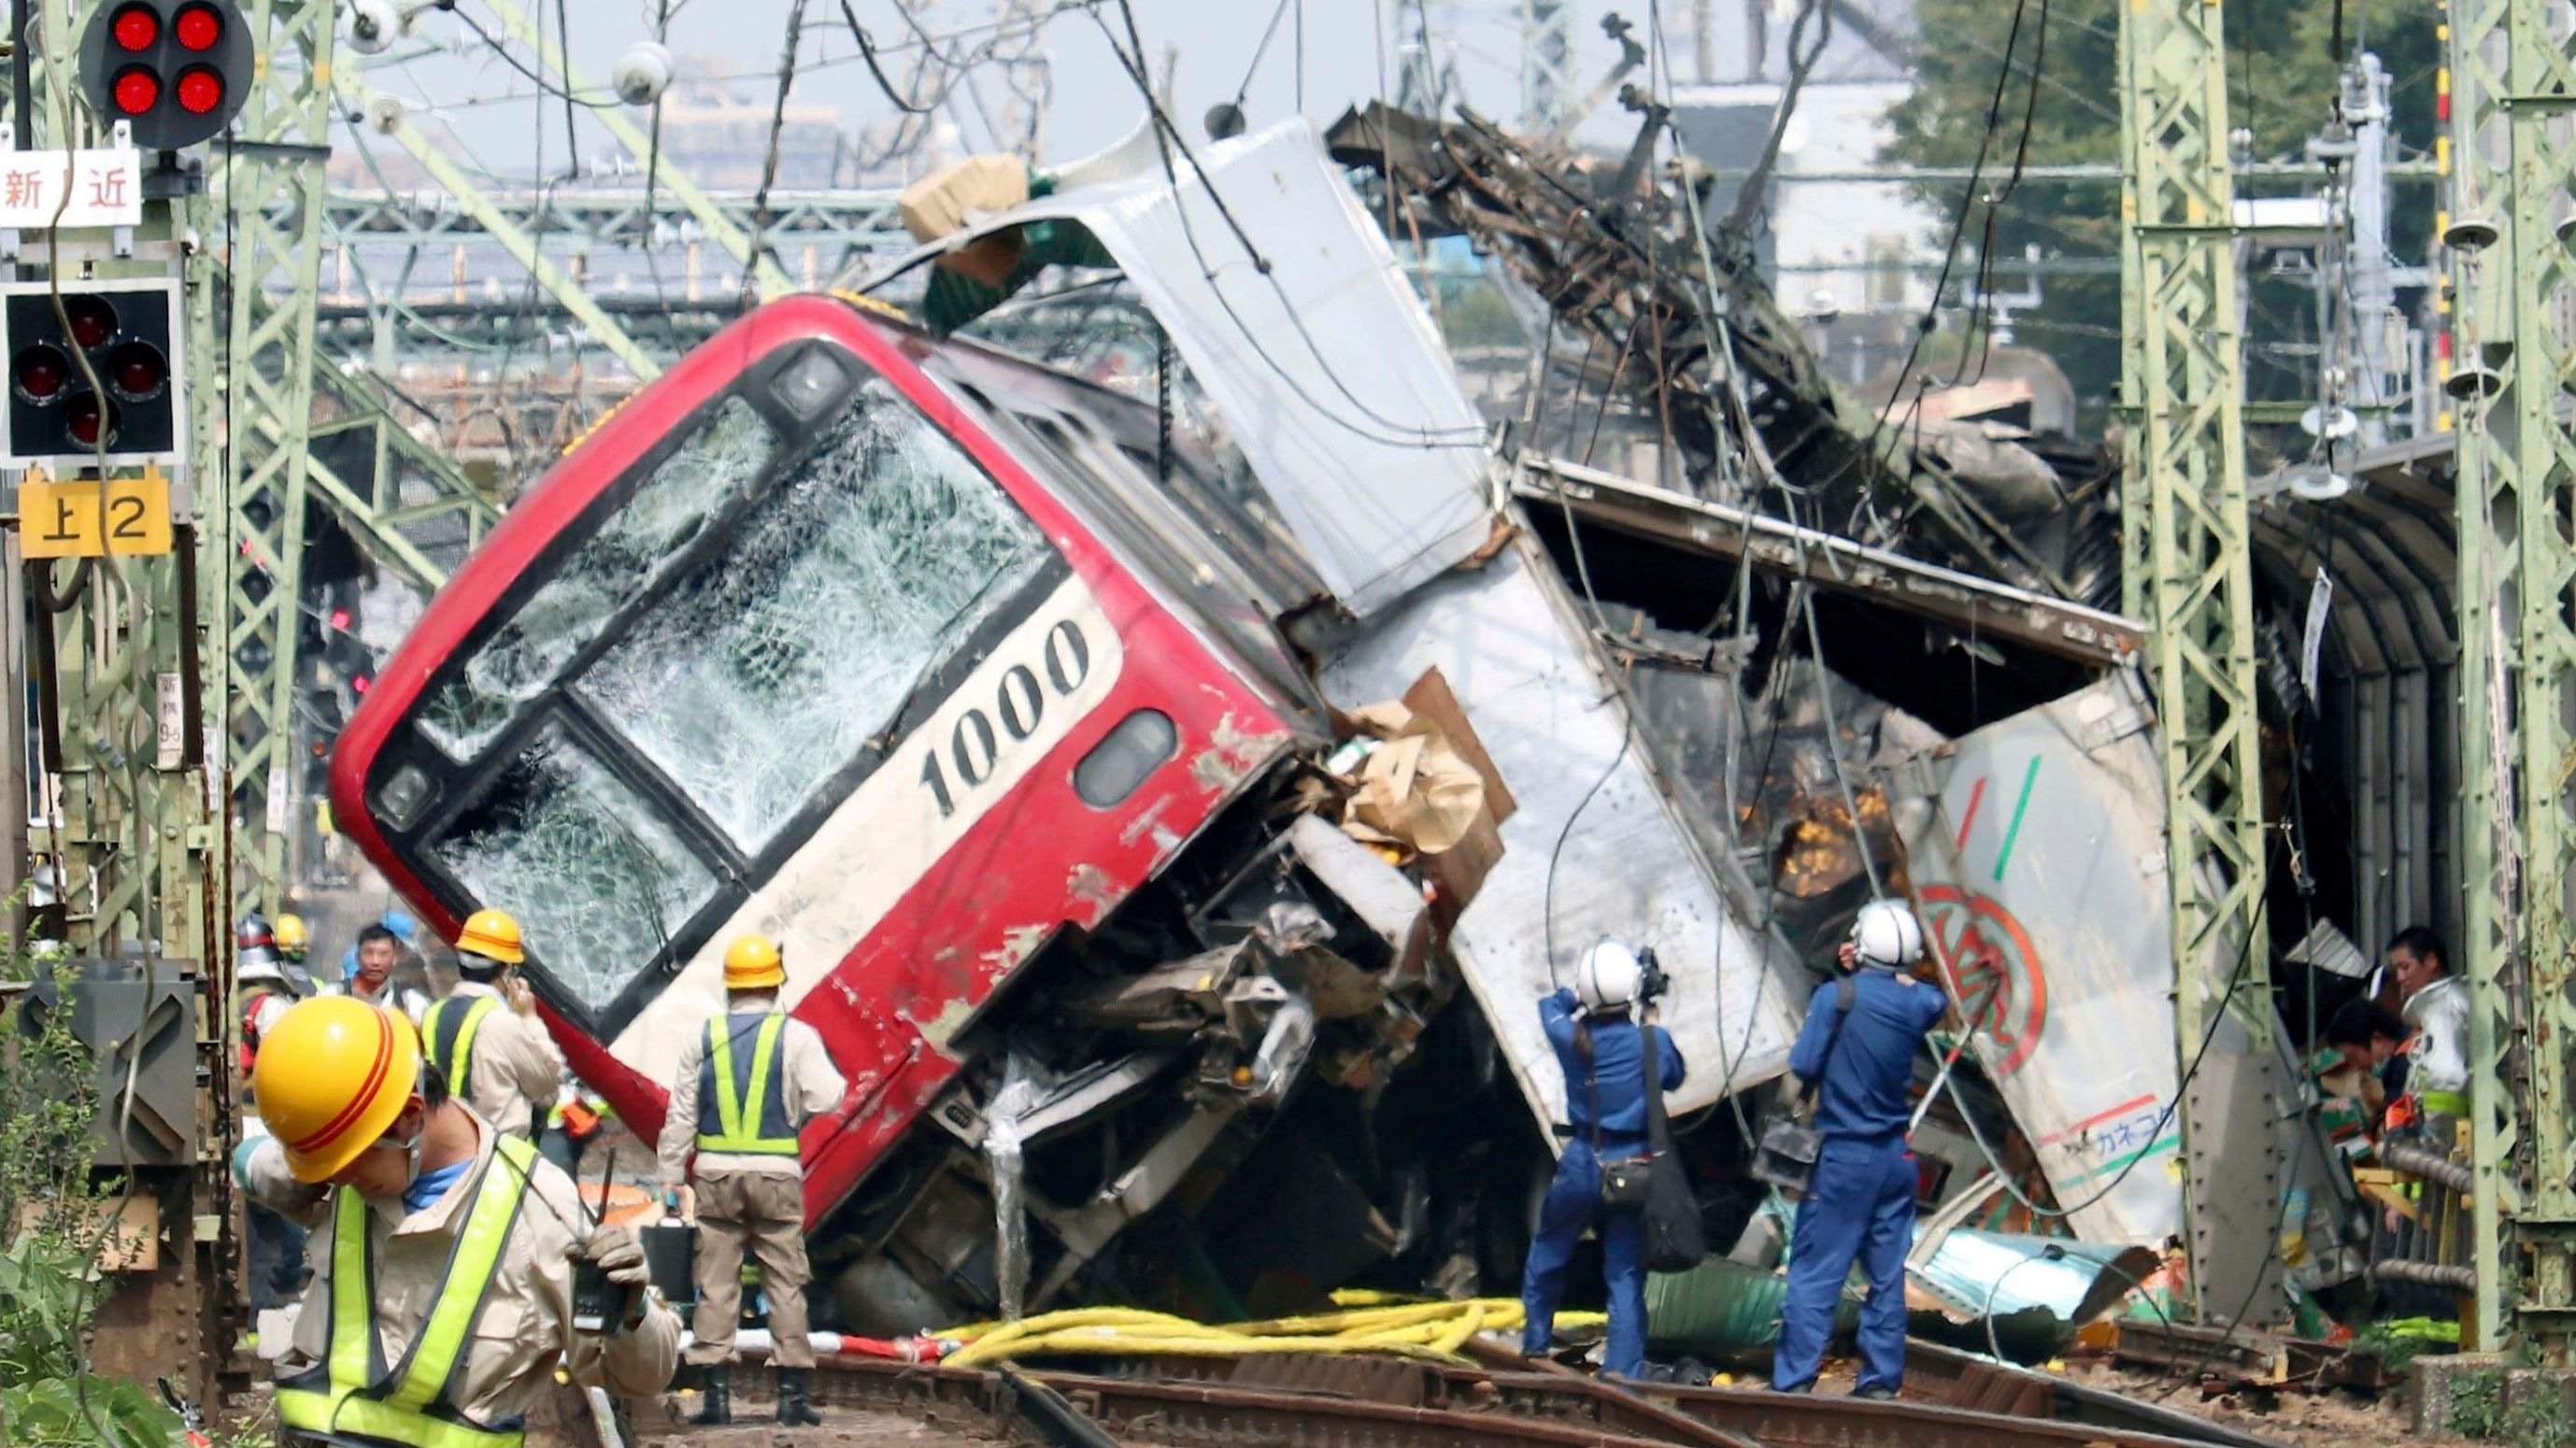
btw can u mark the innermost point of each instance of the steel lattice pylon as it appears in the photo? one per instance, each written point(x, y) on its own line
point(1547, 56)
point(268, 192)
point(140, 845)
point(2513, 78)
point(2181, 377)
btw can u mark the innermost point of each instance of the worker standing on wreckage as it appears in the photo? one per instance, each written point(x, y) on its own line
point(443, 1252)
point(743, 1088)
point(1604, 1054)
point(1855, 1058)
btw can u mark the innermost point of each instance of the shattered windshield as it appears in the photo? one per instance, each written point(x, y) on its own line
point(772, 663)
point(719, 460)
point(561, 842)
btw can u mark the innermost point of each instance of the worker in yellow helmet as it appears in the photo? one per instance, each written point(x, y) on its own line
point(294, 938)
point(744, 1086)
point(485, 1036)
point(443, 1252)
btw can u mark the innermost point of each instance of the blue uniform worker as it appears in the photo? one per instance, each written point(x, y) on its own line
point(1860, 1203)
point(1605, 988)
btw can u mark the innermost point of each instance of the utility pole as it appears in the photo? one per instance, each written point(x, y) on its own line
point(2516, 468)
point(2190, 568)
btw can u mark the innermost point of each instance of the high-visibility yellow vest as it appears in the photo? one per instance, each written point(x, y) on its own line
point(744, 1112)
point(352, 1395)
point(447, 1031)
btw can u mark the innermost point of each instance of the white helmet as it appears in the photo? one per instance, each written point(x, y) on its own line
point(1607, 978)
point(1886, 934)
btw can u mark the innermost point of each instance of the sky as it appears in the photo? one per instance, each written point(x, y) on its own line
point(492, 114)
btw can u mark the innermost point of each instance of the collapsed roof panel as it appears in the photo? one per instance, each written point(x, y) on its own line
point(1294, 317)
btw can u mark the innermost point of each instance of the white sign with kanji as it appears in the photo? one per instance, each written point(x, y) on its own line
point(105, 188)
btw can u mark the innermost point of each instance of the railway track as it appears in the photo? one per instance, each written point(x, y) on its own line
point(1358, 1402)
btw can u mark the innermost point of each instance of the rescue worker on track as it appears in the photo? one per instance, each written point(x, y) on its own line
point(744, 1086)
point(265, 990)
point(1858, 1064)
point(443, 1262)
point(1598, 1047)
point(485, 1037)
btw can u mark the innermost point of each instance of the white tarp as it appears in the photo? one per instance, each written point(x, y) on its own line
point(1327, 370)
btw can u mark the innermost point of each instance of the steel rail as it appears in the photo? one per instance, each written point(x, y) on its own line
point(1378, 1403)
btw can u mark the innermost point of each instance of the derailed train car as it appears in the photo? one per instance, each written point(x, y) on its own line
point(1000, 706)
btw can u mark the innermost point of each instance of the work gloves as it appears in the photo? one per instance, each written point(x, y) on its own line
point(618, 1256)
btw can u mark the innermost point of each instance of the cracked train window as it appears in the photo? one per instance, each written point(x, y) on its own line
point(558, 838)
point(772, 662)
point(720, 461)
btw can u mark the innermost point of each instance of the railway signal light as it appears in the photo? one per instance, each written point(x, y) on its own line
point(102, 368)
point(175, 71)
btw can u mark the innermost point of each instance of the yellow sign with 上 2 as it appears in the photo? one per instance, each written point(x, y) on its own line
point(73, 520)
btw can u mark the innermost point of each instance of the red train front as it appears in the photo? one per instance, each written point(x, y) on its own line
point(794, 643)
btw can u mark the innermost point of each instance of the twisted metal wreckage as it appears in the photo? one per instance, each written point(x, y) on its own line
point(1629, 679)
point(1698, 786)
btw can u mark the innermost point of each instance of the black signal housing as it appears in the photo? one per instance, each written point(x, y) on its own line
point(128, 334)
point(175, 71)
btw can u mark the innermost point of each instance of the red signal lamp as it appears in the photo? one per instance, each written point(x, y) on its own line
point(198, 27)
point(200, 90)
point(40, 373)
point(137, 91)
point(137, 372)
point(135, 28)
point(93, 320)
point(84, 416)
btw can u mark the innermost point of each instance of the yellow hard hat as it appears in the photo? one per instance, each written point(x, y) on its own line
point(332, 1075)
point(294, 941)
point(751, 963)
point(493, 935)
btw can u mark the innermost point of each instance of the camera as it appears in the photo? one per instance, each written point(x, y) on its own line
point(1651, 979)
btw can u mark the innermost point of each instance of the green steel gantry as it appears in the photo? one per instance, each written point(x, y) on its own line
point(264, 194)
point(2191, 560)
point(2513, 83)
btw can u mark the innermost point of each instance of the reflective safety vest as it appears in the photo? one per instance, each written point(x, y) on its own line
point(730, 1091)
point(352, 1396)
point(447, 1029)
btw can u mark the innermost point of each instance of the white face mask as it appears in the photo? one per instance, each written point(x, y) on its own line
point(410, 1150)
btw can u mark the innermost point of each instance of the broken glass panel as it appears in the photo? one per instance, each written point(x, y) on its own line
point(773, 662)
point(719, 461)
point(561, 842)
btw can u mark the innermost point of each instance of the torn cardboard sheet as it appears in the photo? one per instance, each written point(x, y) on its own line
point(1415, 791)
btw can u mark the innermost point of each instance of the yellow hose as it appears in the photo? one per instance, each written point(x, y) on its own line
point(1371, 1322)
